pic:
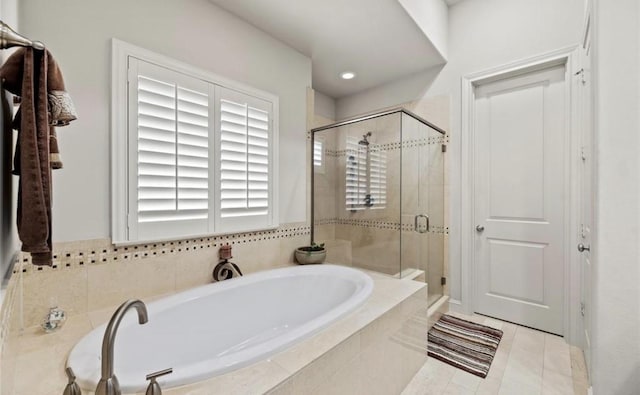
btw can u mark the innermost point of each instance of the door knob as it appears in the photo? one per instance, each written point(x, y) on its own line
point(479, 228)
point(582, 248)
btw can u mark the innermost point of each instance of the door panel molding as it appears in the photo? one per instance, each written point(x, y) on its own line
point(568, 57)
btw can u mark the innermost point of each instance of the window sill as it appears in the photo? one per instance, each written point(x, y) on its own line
point(126, 243)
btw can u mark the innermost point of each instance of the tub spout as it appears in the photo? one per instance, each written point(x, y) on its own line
point(108, 384)
point(225, 270)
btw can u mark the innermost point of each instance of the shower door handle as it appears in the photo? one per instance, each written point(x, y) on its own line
point(583, 248)
point(417, 227)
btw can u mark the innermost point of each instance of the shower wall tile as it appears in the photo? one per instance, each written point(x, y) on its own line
point(435, 167)
point(325, 232)
point(394, 175)
point(436, 205)
point(376, 249)
point(446, 193)
point(339, 252)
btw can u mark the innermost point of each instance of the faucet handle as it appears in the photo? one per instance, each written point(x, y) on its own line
point(154, 387)
point(72, 387)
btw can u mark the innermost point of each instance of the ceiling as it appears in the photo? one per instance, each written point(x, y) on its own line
point(376, 39)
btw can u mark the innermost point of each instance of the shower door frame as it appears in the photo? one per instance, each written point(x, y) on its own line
point(350, 121)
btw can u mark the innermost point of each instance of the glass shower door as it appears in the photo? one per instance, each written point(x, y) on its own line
point(415, 220)
point(356, 192)
point(422, 205)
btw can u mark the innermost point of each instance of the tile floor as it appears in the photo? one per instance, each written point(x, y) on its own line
point(527, 362)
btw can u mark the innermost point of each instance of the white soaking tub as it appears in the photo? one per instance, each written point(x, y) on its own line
point(220, 327)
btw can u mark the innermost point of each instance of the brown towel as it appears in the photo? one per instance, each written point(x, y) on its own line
point(61, 110)
point(35, 76)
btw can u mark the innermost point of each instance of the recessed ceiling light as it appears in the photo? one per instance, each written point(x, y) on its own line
point(347, 75)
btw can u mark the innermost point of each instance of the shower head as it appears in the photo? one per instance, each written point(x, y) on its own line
point(365, 140)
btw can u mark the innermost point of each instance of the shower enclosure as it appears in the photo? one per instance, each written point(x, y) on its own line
point(378, 195)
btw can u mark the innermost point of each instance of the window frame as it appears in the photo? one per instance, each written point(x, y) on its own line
point(121, 220)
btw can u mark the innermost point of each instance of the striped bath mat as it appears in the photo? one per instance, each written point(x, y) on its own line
point(464, 344)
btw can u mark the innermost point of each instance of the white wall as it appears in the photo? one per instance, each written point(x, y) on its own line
point(324, 105)
point(431, 18)
point(482, 35)
point(8, 183)
point(616, 277)
point(9, 15)
point(194, 31)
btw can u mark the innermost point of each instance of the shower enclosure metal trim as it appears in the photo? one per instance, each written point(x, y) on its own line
point(350, 121)
point(377, 115)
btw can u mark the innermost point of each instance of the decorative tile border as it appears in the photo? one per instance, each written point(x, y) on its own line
point(101, 251)
point(407, 227)
point(391, 146)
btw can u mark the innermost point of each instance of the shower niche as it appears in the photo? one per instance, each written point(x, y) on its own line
point(378, 195)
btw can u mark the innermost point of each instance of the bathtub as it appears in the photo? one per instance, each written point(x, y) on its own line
point(220, 327)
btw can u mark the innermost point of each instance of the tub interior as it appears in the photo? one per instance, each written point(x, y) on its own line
point(231, 324)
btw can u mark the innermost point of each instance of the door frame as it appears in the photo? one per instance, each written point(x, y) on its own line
point(568, 57)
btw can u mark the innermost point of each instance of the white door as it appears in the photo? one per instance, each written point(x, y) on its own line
point(519, 180)
point(586, 190)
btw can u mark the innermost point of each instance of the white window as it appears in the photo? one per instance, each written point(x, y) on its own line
point(245, 161)
point(198, 152)
point(366, 176)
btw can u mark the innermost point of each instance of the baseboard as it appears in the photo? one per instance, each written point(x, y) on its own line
point(456, 306)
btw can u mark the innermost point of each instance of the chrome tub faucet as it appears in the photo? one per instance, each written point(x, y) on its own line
point(108, 384)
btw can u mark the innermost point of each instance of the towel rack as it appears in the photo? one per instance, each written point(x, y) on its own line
point(10, 38)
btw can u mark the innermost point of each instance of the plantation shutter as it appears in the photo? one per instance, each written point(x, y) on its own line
point(170, 115)
point(318, 154)
point(366, 176)
point(245, 193)
point(317, 151)
point(356, 174)
point(378, 178)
